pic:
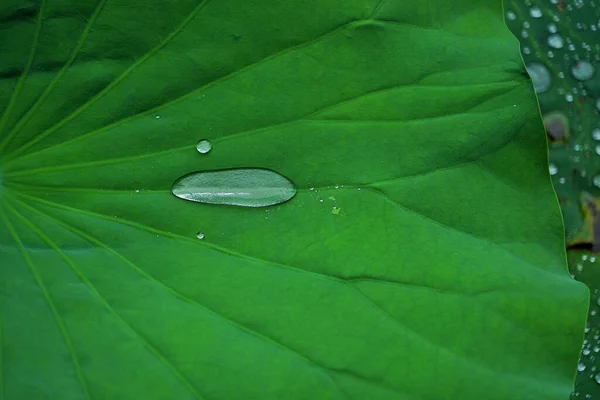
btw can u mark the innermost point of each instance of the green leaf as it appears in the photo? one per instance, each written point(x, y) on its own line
point(421, 258)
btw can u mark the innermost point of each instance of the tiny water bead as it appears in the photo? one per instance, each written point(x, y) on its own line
point(596, 181)
point(200, 235)
point(582, 70)
point(553, 169)
point(203, 146)
point(245, 187)
point(540, 76)
point(596, 134)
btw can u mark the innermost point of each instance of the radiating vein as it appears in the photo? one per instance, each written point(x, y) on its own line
point(33, 109)
point(48, 299)
point(230, 136)
point(181, 296)
point(27, 172)
point(23, 78)
point(104, 302)
point(114, 83)
point(406, 330)
point(170, 103)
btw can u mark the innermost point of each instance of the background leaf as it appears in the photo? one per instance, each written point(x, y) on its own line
point(422, 256)
point(559, 41)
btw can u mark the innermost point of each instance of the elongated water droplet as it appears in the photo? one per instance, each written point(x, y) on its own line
point(203, 146)
point(247, 187)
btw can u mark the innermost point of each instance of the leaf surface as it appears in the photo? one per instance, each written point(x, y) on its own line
point(421, 258)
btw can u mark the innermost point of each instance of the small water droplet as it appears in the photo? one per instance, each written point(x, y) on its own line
point(598, 149)
point(552, 28)
point(511, 16)
point(569, 97)
point(598, 104)
point(137, 190)
point(581, 367)
point(540, 76)
point(592, 258)
point(553, 169)
point(203, 146)
point(535, 12)
point(597, 378)
point(246, 187)
point(596, 181)
point(582, 70)
point(200, 235)
point(556, 41)
point(586, 352)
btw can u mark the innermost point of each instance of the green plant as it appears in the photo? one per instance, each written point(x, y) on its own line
point(421, 258)
point(559, 46)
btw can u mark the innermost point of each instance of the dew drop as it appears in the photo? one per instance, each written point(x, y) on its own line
point(582, 71)
point(553, 169)
point(540, 76)
point(556, 41)
point(597, 378)
point(569, 97)
point(598, 149)
point(511, 16)
point(552, 28)
point(535, 12)
point(200, 235)
point(203, 146)
point(596, 181)
point(598, 104)
point(581, 367)
point(246, 187)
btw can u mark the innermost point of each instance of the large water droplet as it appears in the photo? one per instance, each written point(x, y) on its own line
point(540, 76)
point(583, 70)
point(247, 187)
point(203, 146)
point(556, 41)
point(535, 12)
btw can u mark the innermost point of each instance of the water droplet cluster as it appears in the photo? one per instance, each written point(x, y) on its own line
point(561, 48)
